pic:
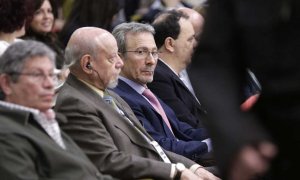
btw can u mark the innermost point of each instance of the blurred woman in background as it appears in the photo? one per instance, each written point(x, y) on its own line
point(41, 25)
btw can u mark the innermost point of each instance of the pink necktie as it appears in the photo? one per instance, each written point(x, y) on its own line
point(157, 106)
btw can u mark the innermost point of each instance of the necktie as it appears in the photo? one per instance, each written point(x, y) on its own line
point(157, 106)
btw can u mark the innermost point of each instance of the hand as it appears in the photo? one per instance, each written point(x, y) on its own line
point(205, 175)
point(252, 161)
point(188, 175)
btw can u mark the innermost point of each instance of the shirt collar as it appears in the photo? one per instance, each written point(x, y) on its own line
point(96, 90)
point(168, 67)
point(18, 107)
point(137, 87)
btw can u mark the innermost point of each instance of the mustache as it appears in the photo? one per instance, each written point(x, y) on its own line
point(148, 69)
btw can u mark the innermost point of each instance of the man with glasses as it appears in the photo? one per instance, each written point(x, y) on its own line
point(139, 53)
point(102, 124)
point(31, 143)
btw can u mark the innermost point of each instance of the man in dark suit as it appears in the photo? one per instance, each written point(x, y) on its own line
point(32, 145)
point(139, 54)
point(264, 36)
point(102, 124)
point(175, 39)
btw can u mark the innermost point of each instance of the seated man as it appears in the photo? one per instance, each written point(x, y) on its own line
point(175, 39)
point(32, 145)
point(139, 53)
point(102, 124)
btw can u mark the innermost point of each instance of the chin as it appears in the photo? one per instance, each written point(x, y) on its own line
point(112, 84)
point(45, 106)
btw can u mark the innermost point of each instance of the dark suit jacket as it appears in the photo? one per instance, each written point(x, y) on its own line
point(264, 36)
point(27, 152)
point(189, 143)
point(111, 142)
point(172, 91)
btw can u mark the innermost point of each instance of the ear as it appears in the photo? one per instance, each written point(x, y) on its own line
point(169, 44)
point(84, 63)
point(5, 84)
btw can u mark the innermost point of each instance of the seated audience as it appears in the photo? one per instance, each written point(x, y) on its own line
point(158, 6)
point(175, 39)
point(31, 142)
point(102, 124)
point(89, 13)
point(139, 53)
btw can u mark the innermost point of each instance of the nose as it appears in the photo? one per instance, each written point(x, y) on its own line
point(47, 14)
point(119, 63)
point(150, 59)
point(49, 82)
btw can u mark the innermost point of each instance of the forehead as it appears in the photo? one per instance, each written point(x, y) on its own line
point(46, 4)
point(107, 44)
point(140, 39)
point(38, 62)
point(186, 27)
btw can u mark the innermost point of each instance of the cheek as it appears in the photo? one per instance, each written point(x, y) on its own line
point(51, 17)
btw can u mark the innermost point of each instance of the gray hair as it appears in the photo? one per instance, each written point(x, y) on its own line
point(120, 31)
point(17, 54)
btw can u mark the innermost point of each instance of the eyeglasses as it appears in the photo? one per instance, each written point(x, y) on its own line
point(145, 53)
point(38, 76)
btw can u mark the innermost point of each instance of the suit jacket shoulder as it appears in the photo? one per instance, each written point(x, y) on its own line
point(25, 145)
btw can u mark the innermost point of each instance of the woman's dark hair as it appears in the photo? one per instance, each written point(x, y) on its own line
point(50, 38)
point(14, 14)
point(96, 13)
point(53, 3)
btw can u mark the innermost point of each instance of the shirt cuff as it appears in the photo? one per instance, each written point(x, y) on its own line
point(208, 143)
point(173, 171)
point(194, 167)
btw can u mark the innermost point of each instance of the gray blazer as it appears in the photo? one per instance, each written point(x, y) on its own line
point(114, 146)
point(27, 152)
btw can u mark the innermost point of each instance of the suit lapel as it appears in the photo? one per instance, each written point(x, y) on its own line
point(164, 68)
point(125, 88)
point(109, 113)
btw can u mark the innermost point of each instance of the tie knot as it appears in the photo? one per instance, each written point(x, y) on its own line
point(147, 93)
point(49, 114)
point(150, 96)
point(107, 98)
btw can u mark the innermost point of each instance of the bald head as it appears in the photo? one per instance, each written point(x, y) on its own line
point(83, 41)
point(195, 18)
point(92, 54)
